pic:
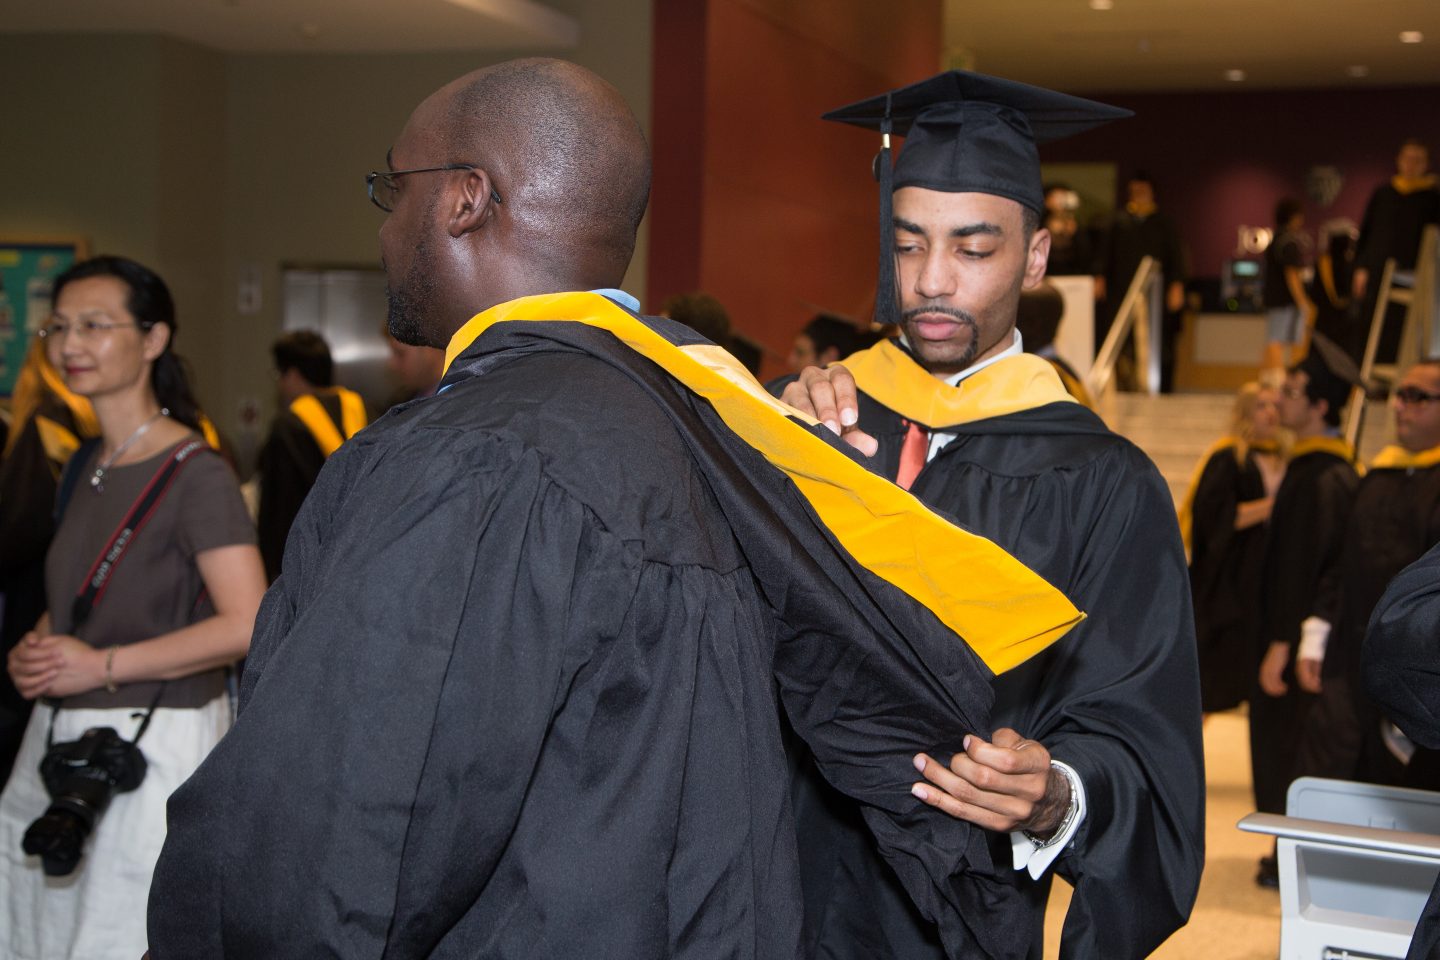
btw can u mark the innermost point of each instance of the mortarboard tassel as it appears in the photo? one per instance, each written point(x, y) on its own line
point(887, 295)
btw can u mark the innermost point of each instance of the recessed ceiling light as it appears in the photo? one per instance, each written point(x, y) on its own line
point(1235, 76)
point(1102, 4)
point(1411, 36)
point(1358, 71)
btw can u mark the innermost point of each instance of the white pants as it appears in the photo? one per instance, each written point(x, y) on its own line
point(98, 911)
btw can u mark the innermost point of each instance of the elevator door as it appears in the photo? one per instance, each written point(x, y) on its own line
point(346, 306)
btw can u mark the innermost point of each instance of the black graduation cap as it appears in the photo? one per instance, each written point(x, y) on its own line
point(966, 133)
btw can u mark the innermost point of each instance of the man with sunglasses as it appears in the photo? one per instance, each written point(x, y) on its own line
point(1395, 520)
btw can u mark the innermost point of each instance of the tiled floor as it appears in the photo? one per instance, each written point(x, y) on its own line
point(1233, 919)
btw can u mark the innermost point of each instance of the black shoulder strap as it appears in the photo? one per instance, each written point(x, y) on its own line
point(70, 476)
point(93, 587)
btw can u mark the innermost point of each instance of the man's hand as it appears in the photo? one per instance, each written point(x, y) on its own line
point(1272, 669)
point(828, 394)
point(1307, 674)
point(1359, 280)
point(1004, 785)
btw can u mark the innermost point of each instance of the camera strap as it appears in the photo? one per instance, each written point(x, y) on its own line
point(98, 579)
point(93, 587)
point(144, 721)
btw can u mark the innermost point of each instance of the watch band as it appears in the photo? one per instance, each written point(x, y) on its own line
point(1071, 811)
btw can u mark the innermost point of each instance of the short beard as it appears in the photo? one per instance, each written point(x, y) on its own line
point(407, 305)
point(966, 320)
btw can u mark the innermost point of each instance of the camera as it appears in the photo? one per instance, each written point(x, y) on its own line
point(81, 777)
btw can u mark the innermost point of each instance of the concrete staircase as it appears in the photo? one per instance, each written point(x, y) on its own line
point(1174, 430)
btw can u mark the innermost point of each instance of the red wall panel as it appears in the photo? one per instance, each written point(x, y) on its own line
point(787, 206)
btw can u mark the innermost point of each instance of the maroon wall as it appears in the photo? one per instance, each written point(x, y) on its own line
point(1223, 159)
point(756, 200)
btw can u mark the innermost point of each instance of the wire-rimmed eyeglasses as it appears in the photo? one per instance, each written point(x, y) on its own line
point(82, 329)
point(383, 189)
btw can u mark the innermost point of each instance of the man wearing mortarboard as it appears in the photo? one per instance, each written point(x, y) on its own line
point(1307, 531)
point(1094, 769)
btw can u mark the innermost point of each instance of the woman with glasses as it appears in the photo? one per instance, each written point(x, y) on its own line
point(153, 580)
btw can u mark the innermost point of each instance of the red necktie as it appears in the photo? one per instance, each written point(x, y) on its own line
point(913, 453)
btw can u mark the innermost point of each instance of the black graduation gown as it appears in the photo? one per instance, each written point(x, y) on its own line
point(1129, 240)
point(1307, 535)
point(1117, 699)
point(288, 464)
point(1401, 671)
point(516, 694)
point(1225, 572)
point(1395, 520)
point(1392, 227)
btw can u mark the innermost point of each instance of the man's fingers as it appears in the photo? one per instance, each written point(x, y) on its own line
point(847, 401)
point(822, 398)
point(1006, 738)
point(1273, 688)
point(975, 786)
point(1009, 754)
point(796, 395)
point(1011, 792)
point(982, 787)
point(861, 441)
point(829, 395)
point(970, 795)
point(960, 810)
point(937, 774)
point(826, 394)
point(1271, 681)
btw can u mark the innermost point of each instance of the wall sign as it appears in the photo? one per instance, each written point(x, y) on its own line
point(28, 267)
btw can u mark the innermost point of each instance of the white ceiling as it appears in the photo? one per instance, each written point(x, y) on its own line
point(1137, 45)
point(294, 26)
point(1189, 44)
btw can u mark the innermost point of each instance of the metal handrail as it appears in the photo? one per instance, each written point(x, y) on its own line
point(1140, 314)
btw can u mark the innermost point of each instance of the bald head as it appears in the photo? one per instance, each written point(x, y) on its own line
point(571, 158)
point(559, 181)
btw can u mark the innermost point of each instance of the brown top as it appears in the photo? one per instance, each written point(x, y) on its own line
point(156, 585)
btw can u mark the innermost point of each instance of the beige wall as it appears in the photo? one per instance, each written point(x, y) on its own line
point(80, 137)
point(202, 164)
